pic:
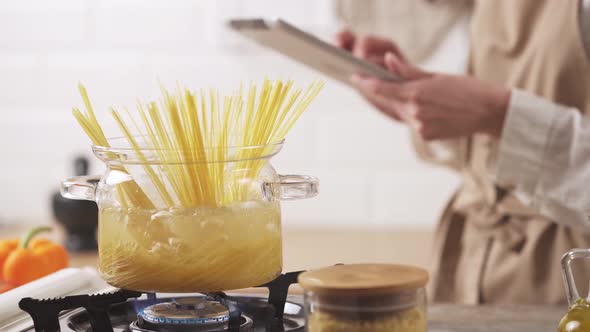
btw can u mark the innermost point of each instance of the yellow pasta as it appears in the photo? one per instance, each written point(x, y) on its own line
point(193, 133)
point(128, 191)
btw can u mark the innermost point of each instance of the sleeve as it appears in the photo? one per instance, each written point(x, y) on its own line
point(544, 156)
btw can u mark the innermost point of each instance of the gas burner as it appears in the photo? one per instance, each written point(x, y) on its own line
point(120, 312)
point(185, 311)
point(256, 315)
point(183, 314)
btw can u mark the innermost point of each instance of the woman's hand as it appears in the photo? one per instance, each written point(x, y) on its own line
point(438, 106)
point(369, 48)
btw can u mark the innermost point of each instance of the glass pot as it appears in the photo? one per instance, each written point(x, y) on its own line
point(187, 225)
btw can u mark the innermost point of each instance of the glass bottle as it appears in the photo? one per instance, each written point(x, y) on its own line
point(577, 319)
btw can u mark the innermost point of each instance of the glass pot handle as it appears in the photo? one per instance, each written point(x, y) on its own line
point(80, 187)
point(291, 187)
point(568, 276)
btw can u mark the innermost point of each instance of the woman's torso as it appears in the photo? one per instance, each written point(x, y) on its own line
point(490, 247)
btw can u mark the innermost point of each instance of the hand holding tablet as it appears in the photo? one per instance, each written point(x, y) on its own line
point(308, 49)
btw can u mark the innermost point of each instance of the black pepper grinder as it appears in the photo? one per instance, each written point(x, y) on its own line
point(79, 218)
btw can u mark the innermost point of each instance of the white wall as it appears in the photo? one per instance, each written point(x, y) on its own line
point(120, 49)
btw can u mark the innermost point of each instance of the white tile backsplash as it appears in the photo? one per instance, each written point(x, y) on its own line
point(163, 29)
point(121, 49)
point(23, 81)
point(343, 200)
point(111, 78)
point(35, 28)
point(42, 4)
point(409, 197)
point(150, 4)
point(358, 135)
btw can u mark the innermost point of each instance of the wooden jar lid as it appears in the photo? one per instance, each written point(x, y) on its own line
point(363, 279)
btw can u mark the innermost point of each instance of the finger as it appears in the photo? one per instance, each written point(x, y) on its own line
point(379, 87)
point(434, 131)
point(383, 106)
point(389, 107)
point(374, 46)
point(402, 68)
point(345, 39)
point(416, 112)
point(376, 59)
point(439, 129)
point(398, 52)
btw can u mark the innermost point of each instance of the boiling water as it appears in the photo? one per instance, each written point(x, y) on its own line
point(191, 250)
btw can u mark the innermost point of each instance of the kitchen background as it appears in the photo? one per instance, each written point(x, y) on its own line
point(370, 177)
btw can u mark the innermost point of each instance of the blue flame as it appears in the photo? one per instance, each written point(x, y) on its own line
point(140, 304)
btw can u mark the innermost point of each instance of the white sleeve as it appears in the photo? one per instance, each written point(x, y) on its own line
point(544, 155)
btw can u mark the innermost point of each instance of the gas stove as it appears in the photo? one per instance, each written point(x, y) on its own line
point(129, 311)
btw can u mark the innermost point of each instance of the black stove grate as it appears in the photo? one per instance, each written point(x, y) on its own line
point(235, 314)
point(278, 290)
point(45, 312)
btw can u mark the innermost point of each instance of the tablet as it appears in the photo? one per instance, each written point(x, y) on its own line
point(308, 49)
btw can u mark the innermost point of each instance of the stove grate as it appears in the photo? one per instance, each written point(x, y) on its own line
point(45, 312)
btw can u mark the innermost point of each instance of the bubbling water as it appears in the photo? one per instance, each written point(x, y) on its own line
point(191, 250)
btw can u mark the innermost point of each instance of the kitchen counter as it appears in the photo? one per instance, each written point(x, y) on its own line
point(455, 318)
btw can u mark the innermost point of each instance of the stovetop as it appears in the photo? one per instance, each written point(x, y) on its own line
point(123, 317)
point(128, 311)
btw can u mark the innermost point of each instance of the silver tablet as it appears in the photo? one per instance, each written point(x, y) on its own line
point(308, 49)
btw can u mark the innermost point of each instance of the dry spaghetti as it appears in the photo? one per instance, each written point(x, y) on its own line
point(191, 133)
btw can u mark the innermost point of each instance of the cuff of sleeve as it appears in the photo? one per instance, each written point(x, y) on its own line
point(525, 136)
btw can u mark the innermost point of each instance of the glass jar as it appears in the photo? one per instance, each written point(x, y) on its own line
point(365, 298)
point(152, 237)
